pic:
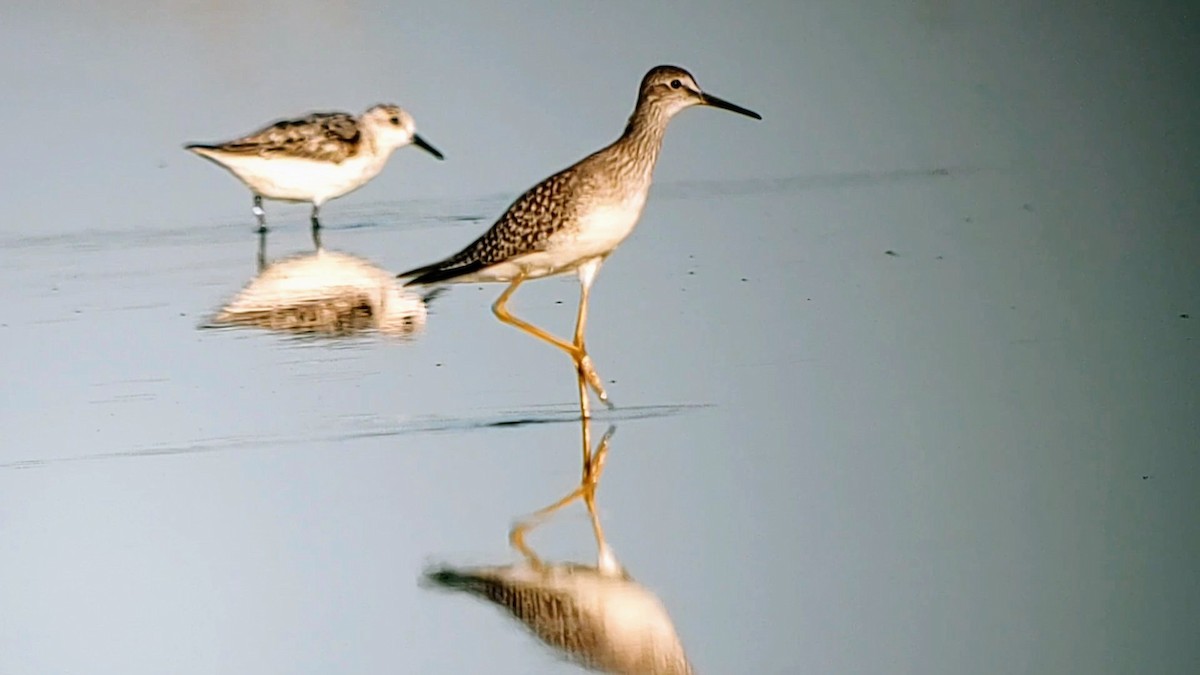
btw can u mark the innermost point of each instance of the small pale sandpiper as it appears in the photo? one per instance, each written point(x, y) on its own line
point(315, 158)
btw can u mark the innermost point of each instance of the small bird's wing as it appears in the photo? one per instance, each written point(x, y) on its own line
point(524, 228)
point(329, 137)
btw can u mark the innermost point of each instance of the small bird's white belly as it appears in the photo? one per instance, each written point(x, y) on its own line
point(302, 180)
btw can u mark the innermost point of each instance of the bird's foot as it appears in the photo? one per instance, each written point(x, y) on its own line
point(588, 371)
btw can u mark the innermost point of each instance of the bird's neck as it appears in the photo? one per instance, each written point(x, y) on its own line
point(637, 149)
point(374, 146)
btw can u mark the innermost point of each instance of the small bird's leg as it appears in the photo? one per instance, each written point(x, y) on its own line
point(259, 213)
point(316, 227)
point(262, 249)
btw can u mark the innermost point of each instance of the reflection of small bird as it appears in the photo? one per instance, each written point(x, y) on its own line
point(315, 158)
point(602, 620)
point(573, 220)
point(325, 293)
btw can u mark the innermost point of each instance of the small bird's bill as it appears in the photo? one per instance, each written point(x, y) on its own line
point(715, 102)
point(424, 145)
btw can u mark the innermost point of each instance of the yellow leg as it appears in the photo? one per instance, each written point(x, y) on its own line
point(585, 415)
point(583, 362)
point(500, 309)
point(585, 291)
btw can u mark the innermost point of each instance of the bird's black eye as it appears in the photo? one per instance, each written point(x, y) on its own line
point(395, 120)
point(675, 84)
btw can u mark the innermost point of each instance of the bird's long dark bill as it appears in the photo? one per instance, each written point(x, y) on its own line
point(715, 102)
point(424, 145)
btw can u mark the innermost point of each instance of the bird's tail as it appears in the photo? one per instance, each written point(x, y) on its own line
point(208, 152)
point(458, 580)
point(443, 270)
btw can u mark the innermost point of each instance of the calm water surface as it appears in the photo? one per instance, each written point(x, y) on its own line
point(906, 374)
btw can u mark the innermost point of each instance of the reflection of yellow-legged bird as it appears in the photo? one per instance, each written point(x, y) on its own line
point(607, 623)
point(315, 158)
point(573, 220)
point(597, 616)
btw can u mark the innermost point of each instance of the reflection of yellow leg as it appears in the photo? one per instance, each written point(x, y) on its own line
point(593, 468)
point(516, 537)
point(591, 481)
point(583, 362)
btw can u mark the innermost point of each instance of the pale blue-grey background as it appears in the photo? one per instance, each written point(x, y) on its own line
point(979, 455)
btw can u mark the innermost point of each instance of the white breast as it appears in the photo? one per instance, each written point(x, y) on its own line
point(605, 226)
point(599, 230)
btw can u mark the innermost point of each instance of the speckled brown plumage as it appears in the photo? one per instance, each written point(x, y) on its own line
point(322, 136)
point(611, 183)
point(573, 220)
point(526, 227)
point(553, 207)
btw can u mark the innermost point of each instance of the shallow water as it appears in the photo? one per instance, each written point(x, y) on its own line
point(906, 374)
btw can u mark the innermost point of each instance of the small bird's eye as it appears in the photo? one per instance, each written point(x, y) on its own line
point(395, 120)
point(675, 84)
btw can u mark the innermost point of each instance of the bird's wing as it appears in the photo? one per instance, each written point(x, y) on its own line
point(319, 136)
point(525, 227)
